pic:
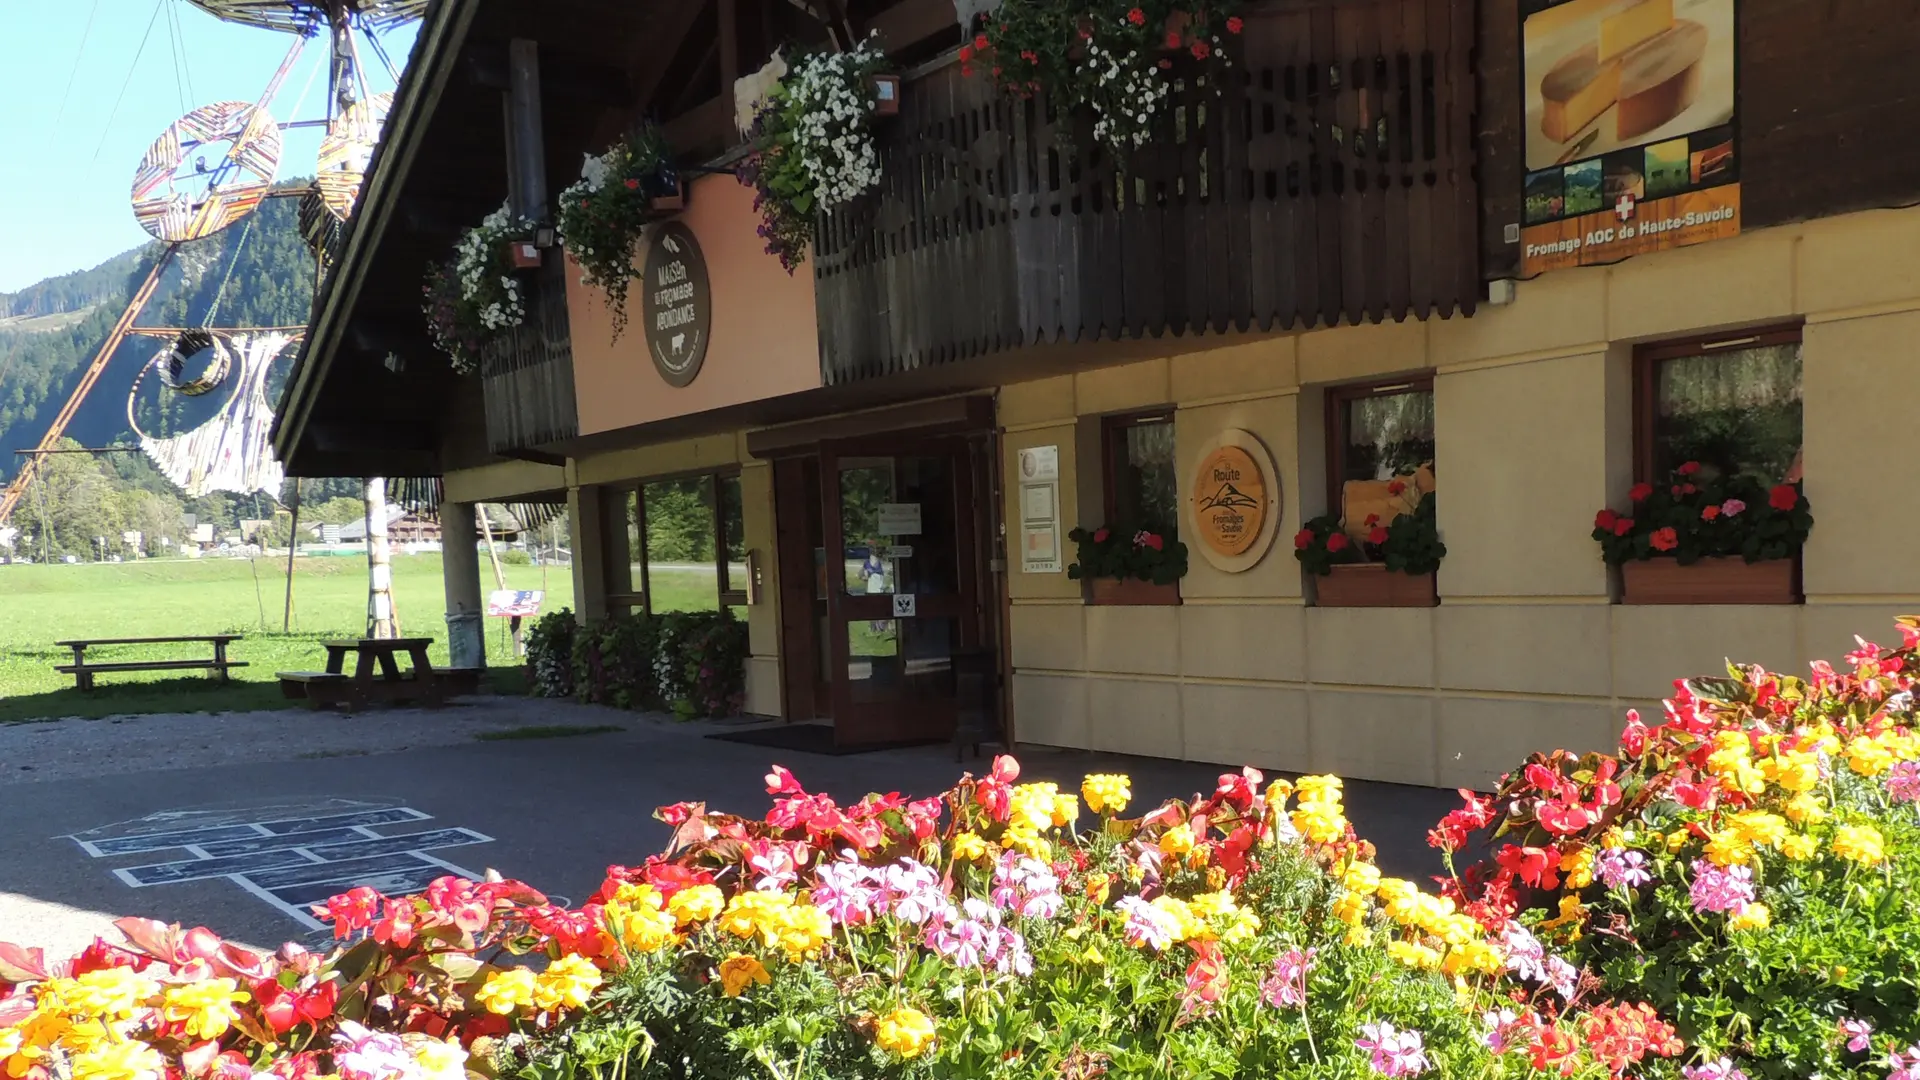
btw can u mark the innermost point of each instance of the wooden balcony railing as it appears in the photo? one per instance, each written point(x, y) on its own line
point(1327, 176)
point(526, 374)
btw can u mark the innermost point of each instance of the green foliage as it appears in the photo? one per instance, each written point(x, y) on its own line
point(690, 663)
point(1693, 517)
point(1413, 540)
point(1123, 552)
point(602, 217)
point(1409, 544)
point(680, 520)
point(1321, 544)
point(550, 649)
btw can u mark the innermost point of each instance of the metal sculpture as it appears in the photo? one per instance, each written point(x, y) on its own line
point(208, 171)
point(233, 450)
point(228, 190)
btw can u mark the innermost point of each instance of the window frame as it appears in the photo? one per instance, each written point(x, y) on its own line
point(1648, 356)
point(1112, 440)
point(726, 595)
point(1337, 399)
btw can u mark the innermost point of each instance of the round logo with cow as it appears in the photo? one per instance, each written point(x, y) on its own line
point(679, 303)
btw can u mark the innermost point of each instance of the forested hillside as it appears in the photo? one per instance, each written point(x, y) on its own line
point(259, 272)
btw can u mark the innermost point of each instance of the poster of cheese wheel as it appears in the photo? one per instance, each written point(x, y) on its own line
point(1630, 128)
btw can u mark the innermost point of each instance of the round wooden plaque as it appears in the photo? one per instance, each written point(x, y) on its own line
point(679, 303)
point(1234, 507)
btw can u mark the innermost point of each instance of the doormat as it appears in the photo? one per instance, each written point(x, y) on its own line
point(811, 739)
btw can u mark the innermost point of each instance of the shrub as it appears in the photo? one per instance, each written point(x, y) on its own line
point(690, 663)
point(1692, 517)
point(1750, 866)
point(515, 557)
point(550, 654)
point(613, 662)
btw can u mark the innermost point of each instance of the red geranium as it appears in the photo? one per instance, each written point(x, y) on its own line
point(1201, 49)
point(1397, 486)
point(632, 184)
point(1709, 512)
point(1640, 492)
point(1538, 867)
point(1234, 26)
point(1623, 526)
point(1100, 535)
point(1137, 17)
point(1688, 468)
point(1303, 539)
point(1152, 540)
point(1337, 542)
point(1173, 39)
point(1377, 536)
point(1784, 497)
point(980, 43)
point(1664, 539)
point(1606, 520)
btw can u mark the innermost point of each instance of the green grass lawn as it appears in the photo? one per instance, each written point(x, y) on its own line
point(40, 605)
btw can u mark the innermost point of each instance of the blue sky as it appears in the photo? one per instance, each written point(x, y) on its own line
point(70, 154)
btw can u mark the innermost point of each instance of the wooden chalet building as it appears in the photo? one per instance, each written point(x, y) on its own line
point(1398, 232)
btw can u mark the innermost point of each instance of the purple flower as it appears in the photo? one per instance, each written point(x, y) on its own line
point(971, 936)
point(1563, 977)
point(1499, 1029)
point(1713, 1070)
point(1526, 957)
point(1622, 868)
point(911, 891)
point(360, 1054)
point(1395, 1053)
point(1026, 886)
point(1146, 924)
point(1286, 988)
point(1903, 783)
point(1714, 888)
point(846, 892)
point(1859, 1034)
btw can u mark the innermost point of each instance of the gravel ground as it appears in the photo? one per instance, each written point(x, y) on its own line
point(86, 749)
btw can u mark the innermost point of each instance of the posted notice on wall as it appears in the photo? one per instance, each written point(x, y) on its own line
point(1630, 129)
point(1040, 510)
point(899, 519)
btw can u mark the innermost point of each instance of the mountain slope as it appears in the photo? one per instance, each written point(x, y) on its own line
point(259, 272)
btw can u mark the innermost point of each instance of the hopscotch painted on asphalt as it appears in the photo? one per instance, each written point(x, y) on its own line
point(290, 855)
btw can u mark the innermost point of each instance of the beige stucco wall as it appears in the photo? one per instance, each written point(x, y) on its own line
point(629, 468)
point(1533, 415)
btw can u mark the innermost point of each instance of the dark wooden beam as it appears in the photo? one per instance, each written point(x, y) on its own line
point(912, 21)
point(704, 130)
point(333, 437)
point(661, 42)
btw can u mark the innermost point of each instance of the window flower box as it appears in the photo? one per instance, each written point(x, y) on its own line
point(1717, 580)
point(1119, 592)
point(1373, 585)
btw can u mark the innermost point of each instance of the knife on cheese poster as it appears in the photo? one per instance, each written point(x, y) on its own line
point(1630, 127)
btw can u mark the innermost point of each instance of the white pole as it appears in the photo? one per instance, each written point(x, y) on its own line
point(382, 622)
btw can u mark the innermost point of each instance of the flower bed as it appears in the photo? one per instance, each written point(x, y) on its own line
point(988, 931)
point(1750, 866)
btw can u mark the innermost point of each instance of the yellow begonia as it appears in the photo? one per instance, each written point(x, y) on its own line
point(1361, 877)
point(568, 983)
point(1677, 839)
point(1213, 904)
point(1800, 847)
point(1860, 843)
point(110, 993)
point(205, 1009)
point(1729, 848)
point(1806, 809)
point(1754, 916)
point(506, 992)
point(1241, 926)
point(906, 1032)
point(1320, 822)
point(1572, 914)
point(1613, 839)
point(755, 914)
point(803, 930)
point(695, 904)
point(1760, 828)
point(1351, 909)
point(1177, 840)
point(1278, 793)
point(1066, 810)
point(1034, 807)
point(1578, 866)
point(643, 929)
point(1182, 916)
point(968, 846)
point(1414, 955)
point(1318, 789)
point(738, 971)
point(127, 1060)
point(1868, 757)
point(1476, 956)
point(1027, 842)
point(1107, 793)
point(1797, 771)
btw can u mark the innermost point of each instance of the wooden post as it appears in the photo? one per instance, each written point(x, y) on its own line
point(526, 143)
point(381, 620)
point(460, 571)
point(293, 546)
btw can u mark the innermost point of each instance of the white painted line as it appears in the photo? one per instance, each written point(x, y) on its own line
point(284, 908)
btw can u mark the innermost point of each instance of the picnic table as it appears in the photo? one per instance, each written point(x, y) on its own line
point(83, 672)
point(376, 676)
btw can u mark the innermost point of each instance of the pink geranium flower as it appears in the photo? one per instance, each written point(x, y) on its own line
point(1732, 507)
point(1395, 1053)
point(1859, 1034)
point(1286, 987)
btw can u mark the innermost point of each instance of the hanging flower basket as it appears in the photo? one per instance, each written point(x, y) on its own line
point(815, 148)
point(602, 216)
point(478, 292)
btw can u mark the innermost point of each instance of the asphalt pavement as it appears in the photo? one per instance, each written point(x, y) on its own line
point(242, 847)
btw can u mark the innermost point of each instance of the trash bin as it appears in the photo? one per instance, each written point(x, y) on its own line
point(466, 640)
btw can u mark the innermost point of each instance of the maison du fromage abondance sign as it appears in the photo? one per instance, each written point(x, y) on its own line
point(678, 309)
point(1630, 129)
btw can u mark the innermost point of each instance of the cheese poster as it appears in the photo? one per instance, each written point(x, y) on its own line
point(1630, 129)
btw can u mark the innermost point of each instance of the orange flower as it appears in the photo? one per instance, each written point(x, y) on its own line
point(1664, 539)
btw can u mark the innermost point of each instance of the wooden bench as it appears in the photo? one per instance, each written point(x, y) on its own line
point(83, 672)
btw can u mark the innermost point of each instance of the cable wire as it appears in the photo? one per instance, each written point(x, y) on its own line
point(60, 113)
point(213, 309)
point(131, 69)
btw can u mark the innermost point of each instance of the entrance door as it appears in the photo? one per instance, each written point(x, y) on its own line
point(903, 585)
